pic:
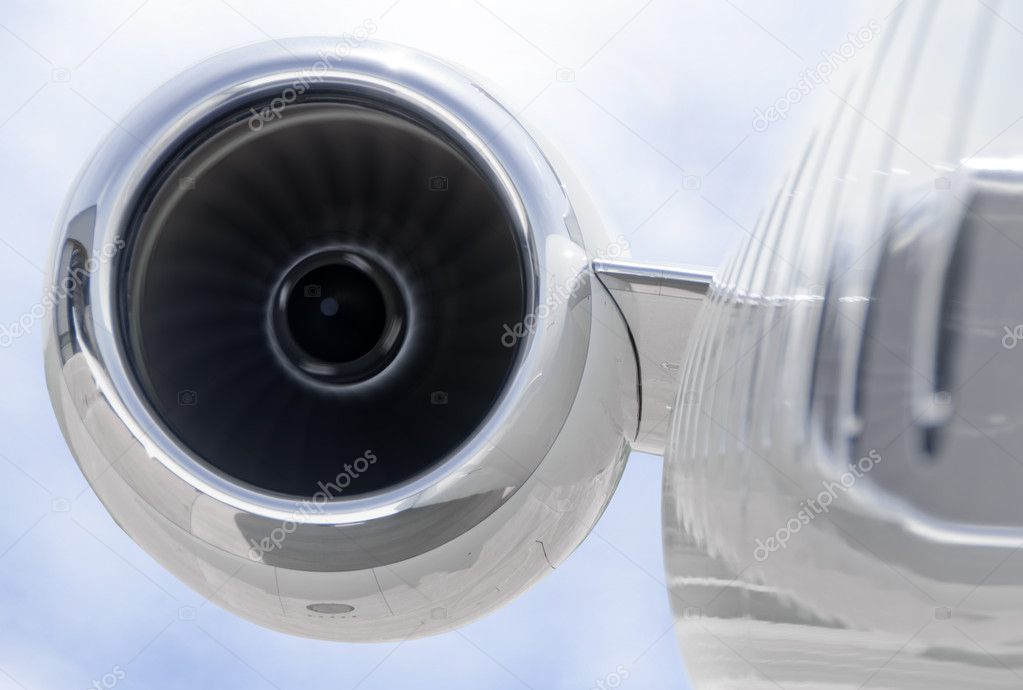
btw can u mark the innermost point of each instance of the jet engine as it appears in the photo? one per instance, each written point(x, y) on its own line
point(327, 342)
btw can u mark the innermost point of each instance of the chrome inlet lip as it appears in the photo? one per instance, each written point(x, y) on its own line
point(500, 461)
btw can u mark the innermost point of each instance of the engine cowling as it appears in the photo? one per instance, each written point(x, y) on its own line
point(326, 341)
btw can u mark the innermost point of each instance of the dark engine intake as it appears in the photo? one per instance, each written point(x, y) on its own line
point(328, 282)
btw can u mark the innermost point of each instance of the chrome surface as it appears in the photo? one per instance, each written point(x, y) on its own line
point(841, 496)
point(660, 304)
point(430, 553)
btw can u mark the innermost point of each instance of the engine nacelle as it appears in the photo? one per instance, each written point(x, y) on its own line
point(327, 343)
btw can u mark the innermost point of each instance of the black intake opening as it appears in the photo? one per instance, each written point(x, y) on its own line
point(339, 316)
point(322, 295)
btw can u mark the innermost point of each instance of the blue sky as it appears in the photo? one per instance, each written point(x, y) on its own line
point(662, 92)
